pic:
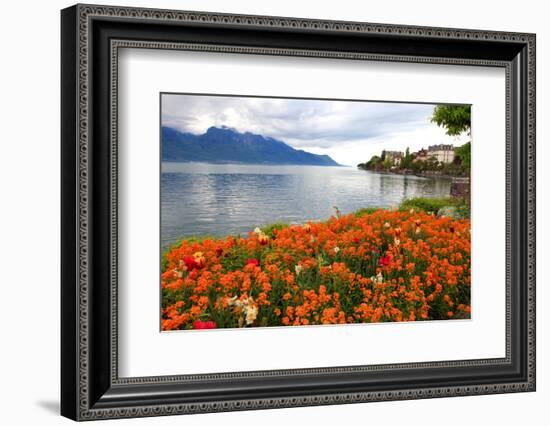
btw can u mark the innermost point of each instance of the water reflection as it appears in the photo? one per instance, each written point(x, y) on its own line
point(214, 199)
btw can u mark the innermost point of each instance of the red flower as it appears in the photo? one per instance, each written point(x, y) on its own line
point(190, 262)
point(219, 251)
point(254, 262)
point(263, 239)
point(384, 260)
point(356, 240)
point(204, 325)
point(452, 229)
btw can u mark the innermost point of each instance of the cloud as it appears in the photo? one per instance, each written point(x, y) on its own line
point(348, 131)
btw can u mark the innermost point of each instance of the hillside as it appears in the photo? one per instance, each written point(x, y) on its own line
point(225, 145)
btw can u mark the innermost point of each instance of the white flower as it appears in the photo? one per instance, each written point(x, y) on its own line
point(233, 301)
point(379, 277)
point(387, 225)
point(418, 229)
point(411, 211)
point(336, 249)
point(258, 231)
point(396, 241)
point(373, 279)
point(251, 314)
point(298, 269)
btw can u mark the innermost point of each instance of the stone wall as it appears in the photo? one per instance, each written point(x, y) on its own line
point(460, 188)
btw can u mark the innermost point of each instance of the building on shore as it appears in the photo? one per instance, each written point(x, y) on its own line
point(442, 153)
point(421, 155)
point(395, 157)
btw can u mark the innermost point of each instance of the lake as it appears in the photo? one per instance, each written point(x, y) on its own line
point(222, 199)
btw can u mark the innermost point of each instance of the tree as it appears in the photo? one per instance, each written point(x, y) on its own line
point(455, 118)
point(407, 160)
point(464, 153)
point(374, 161)
point(432, 163)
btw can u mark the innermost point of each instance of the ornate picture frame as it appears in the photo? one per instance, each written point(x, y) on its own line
point(91, 37)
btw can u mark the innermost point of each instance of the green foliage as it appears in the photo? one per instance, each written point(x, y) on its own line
point(464, 154)
point(433, 205)
point(452, 169)
point(374, 161)
point(387, 163)
point(418, 166)
point(365, 211)
point(455, 118)
point(432, 164)
point(406, 163)
point(163, 261)
point(429, 205)
point(463, 209)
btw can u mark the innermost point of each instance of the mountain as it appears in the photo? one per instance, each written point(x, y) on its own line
point(226, 145)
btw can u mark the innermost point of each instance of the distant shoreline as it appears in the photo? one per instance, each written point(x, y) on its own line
point(241, 163)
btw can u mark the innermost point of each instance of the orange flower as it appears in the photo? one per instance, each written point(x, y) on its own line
point(377, 267)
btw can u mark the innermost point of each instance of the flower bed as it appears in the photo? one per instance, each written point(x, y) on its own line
point(379, 267)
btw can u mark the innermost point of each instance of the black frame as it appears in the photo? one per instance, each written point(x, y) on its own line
point(91, 37)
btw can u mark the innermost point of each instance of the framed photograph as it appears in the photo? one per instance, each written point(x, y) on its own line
point(263, 212)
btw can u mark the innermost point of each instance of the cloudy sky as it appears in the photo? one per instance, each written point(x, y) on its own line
point(350, 132)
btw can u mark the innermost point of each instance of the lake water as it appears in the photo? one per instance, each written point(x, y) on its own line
point(222, 199)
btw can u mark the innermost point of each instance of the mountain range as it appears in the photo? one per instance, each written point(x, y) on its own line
point(226, 145)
